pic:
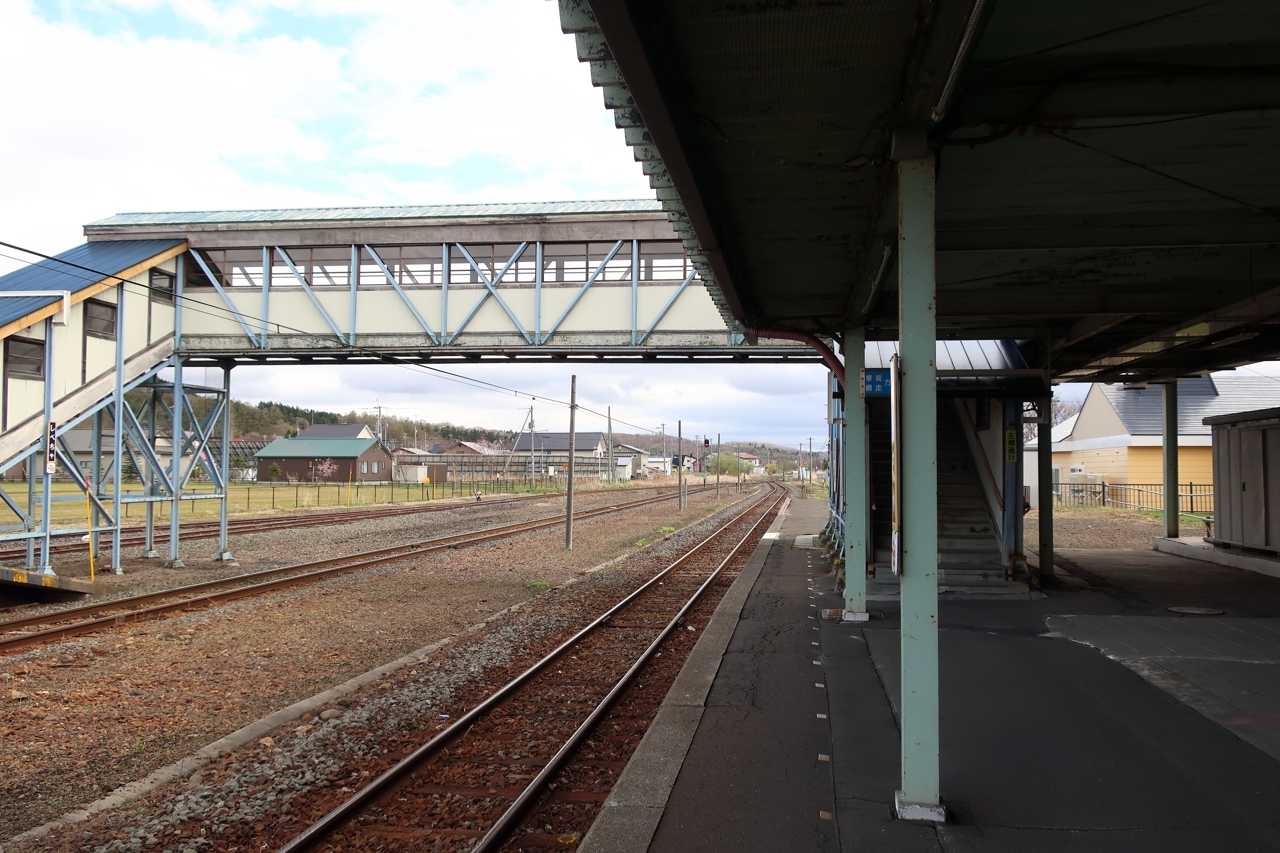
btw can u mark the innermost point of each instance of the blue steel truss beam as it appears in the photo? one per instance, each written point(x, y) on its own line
point(491, 289)
point(391, 280)
point(672, 301)
point(72, 464)
point(227, 300)
point(134, 428)
point(583, 290)
point(284, 256)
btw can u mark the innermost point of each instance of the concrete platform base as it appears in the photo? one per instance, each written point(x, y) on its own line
point(926, 812)
point(1198, 549)
point(18, 586)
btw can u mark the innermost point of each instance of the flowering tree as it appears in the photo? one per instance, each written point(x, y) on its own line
point(326, 468)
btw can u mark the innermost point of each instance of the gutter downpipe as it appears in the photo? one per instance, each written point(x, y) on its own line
point(813, 341)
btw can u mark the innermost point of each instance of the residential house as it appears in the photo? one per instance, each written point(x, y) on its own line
point(361, 460)
point(630, 460)
point(585, 443)
point(1117, 437)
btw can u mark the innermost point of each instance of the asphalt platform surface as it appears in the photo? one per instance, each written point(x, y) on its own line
point(1093, 719)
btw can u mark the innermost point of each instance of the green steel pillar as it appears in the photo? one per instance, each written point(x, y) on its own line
point(917, 333)
point(1044, 473)
point(1169, 396)
point(854, 457)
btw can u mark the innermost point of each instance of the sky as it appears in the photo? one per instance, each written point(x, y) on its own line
point(170, 105)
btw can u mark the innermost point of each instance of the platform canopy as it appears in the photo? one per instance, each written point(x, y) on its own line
point(1106, 193)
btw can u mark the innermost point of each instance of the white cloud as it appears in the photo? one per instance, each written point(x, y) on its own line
point(136, 105)
point(417, 103)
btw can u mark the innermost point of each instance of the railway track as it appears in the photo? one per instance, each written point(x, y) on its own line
point(19, 634)
point(135, 537)
point(472, 785)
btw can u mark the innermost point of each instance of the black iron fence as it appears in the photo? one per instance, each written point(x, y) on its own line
point(1192, 497)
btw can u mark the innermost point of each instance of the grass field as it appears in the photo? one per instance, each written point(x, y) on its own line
point(68, 509)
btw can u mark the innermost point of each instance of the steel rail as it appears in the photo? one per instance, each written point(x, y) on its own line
point(375, 790)
point(135, 608)
point(135, 535)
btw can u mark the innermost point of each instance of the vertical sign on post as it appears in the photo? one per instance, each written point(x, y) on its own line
point(895, 479)
point(51, 450)
point(1011, 446)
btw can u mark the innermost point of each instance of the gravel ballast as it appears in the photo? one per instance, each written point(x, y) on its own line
point(97, 712)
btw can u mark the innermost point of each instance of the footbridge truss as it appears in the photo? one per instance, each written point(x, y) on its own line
point(96, 339)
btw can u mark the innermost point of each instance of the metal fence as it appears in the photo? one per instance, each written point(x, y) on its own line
point(1192, 497)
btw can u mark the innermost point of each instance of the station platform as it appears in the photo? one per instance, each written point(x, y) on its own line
point(1093, 718)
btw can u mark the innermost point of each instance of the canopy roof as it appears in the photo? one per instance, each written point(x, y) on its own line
point(1107, 191)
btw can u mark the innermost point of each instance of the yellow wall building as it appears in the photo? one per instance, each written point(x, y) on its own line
point(1117, 439)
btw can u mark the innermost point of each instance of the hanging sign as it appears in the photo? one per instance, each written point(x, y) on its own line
point(874, 381)
point(51, 450)
point(1011, 446)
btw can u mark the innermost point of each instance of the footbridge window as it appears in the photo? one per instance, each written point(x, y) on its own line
point(24, 358)
point(100, 320)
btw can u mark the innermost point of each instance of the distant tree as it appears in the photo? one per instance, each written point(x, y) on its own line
point(274, 471)
point(326, 468)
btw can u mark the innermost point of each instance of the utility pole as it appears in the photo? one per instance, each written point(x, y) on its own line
point(568, 502)
point(717, 466)
point(613, 469)
point(799, 467)
point(809, 471)
point(680, 466)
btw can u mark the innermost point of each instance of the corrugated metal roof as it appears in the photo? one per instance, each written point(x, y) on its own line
point(418, 211)
point(1141, 411)
point(336, 431)
point(315, 448)
point(559, 441)
point(109, 256)
point(956, 355)
point(973, 355)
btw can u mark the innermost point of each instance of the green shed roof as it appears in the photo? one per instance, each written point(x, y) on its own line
point(315, 448)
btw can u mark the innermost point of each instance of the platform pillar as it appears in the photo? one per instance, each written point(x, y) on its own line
point(919, 797)
point(1169, 397)
point(117, 436)
point(153, 479)
point(46, 496)
point(175, 506)
point(1044, 472)
point(224, 549)
point(853, 455)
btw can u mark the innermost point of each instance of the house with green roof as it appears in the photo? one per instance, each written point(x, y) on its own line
point(317, 460)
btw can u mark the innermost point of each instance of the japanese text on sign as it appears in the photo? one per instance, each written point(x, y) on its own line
point(51, 450)
point(874, 381)
point(1011, 445)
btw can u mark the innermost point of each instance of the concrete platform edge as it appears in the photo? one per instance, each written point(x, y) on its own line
point(1209, 554)
point(630, 816)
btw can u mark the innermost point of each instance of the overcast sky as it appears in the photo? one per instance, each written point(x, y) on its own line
point(155, 105)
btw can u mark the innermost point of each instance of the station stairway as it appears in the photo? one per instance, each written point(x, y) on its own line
point(969, 557)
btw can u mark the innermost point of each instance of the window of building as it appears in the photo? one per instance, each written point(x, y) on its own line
point(364, 467)
point(162, 285)
point(375, 467)
point(24, 358)
point(100, 319)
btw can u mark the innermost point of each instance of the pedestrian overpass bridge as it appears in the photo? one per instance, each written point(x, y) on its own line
point(112, 324)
